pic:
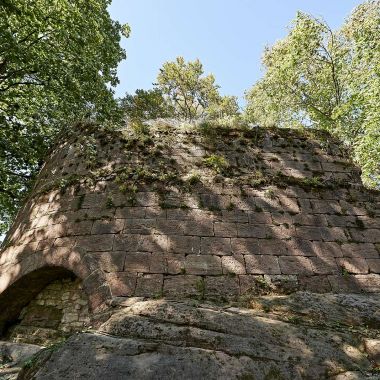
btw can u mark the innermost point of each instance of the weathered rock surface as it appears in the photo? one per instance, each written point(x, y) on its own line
point(13, 356)
point(301, 336)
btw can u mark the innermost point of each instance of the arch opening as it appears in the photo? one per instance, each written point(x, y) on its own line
point(44, 306)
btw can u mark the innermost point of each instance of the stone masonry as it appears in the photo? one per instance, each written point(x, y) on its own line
point(195, 211)
point(57, 311)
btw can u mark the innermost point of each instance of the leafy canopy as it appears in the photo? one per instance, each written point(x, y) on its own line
point(58, 61)
point(146, 104)
point(320, 78)
point(181, 91)
point(191, 94)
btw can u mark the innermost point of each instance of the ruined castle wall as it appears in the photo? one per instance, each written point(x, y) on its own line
point(199, 213)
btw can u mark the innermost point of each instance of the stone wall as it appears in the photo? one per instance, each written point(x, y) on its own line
point(198, 212)
point(58, 310)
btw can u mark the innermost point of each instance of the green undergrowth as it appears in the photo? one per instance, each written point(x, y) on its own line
point(216, 162)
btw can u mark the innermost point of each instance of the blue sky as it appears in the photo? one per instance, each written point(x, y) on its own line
point(228, 36)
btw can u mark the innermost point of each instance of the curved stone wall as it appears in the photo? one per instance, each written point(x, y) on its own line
point(197, 211)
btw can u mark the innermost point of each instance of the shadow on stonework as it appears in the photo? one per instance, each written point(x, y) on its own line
point(259, 211)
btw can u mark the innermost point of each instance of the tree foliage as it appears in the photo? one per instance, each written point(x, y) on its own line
point(191, 94)
point(146, 104)
point(184, 87)
point(58, 61)
point(320, 78)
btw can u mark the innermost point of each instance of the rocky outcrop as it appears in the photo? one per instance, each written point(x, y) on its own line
point(334, 337)
point(14, 356)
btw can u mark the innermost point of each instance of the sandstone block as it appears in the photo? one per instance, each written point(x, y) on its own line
point(353, 265)
point(149, 285)
point(315, 284)
point(94, 200)
point(137, 262)
point(283, 231)
point(370, 235)
point(234, 216)
point(333, 234)
point(96, 243)
point(110, 262)
point(310, 220)
point(305, 206)
point(203, 265)
point(253, 284)
point(325, 207)
point(249, 230)
point(274, 247)
point(243, 246)
point(169, 227)
point(233, 264)
point(324, 265)
point(288, 204)
point(122, 284)
point(225, 229)
point(153, 243)
point(341, 221)
point(182, 286)
point(366, 250)
point(215, 246)
point(148, 198)
point(374, 265)
point(221, 286)
point(157, 263)
point(184, 244)
point(282, 218)
point(326, 249)
point(309, 233)
point(126, 242)
point(178, 214)
point(175, 264)
point(344, 284)
point(282, 283)
point(198, 229)
point(259, 217)
point(107, 226)
point(139, 226)
point(295, 265)
point(130, 212)
point(299, 247)
point(351, 209)
point(372, 347)
point(262, 264)
point(155, 213)
point(369, 283)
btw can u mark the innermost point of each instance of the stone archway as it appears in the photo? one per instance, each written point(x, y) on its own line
point(21, 281)
point(27, 287)
point(58, 310)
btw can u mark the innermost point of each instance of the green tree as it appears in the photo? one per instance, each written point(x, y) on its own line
point(362, 33)
point(222, 107)
point(320, 78)
point(302, 84)
point(181, 91)
point(146, 104)
point(189, 92)
point(58, 61)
